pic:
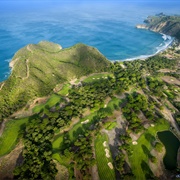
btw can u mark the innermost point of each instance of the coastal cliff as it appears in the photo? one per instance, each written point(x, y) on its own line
point(162, 23)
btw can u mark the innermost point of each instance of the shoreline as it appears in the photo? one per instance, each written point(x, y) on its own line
point(141, 57)
point(144, 57)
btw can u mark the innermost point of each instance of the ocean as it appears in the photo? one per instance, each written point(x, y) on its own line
point(108, 26)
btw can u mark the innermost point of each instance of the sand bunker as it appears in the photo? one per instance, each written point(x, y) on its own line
point(110, 165)
point(105, 144)
point(107, 153)
point(134, 142)
point(85, 122)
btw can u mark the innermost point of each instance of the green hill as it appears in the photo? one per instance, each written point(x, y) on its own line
point(37, 68)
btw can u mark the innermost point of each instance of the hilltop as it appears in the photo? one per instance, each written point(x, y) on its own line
point(162, 23)
point(38, 68)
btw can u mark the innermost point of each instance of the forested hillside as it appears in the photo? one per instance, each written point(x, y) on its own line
point(37, 69)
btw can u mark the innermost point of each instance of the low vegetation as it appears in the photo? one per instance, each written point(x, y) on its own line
point(12, 132)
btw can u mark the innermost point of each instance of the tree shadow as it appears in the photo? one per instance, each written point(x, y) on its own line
point(78, 132)
point(147, 171)
point(145, 150)
point(20, 159)
point(150, 137)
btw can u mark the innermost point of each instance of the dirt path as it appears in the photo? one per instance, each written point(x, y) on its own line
point(62, 172)
point(12, 63)
point(158, 167)
point(27, 69)
point(2, 86)
point(2, 126)
point(29, 49)
point(169, 117)
point(73, 122)
point(170, 80)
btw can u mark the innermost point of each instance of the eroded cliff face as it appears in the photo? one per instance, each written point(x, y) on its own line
point(169, 25)
point(158, 27)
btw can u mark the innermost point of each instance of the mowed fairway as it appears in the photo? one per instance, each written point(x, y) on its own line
point(105, 173)
point(52, 101)
point(10, 135)
point(97, 77)
point(139, 158)
point(65, 89)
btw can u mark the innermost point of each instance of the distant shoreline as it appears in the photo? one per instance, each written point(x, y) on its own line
point(144, 57)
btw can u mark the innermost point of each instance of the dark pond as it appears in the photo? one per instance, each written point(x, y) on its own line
point(171, 143)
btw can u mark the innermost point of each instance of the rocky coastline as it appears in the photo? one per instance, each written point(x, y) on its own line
point(162, 23)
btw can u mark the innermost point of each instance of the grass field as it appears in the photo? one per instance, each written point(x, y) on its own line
point(114, 103)
point(9, 137)
point(110, 125)
point(52, 101)
point(105, 173)
point(97, 77)
point(139, 160)
point(73, 132)
point(64, 90)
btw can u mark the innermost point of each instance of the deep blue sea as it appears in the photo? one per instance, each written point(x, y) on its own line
point(108, 26)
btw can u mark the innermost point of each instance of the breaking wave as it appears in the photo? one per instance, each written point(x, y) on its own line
point(163, 46)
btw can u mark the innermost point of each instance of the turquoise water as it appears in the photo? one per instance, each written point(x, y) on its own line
point(108, 27)
point(172, 145)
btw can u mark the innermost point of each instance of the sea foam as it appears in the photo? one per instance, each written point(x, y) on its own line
point(163, 46)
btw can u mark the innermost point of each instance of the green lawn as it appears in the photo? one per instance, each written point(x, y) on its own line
point(110, 125)
point(97, 77)
point(105, 173)
point(139, 158)
point(61, 159)
point(65, 89)
point(9, 138)
point(52, 101)
point(73, 132)
point(114, 103)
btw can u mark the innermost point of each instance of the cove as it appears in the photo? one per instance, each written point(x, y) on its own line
point(171, 143)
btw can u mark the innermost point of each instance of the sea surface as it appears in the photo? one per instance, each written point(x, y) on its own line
point(108, 26)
